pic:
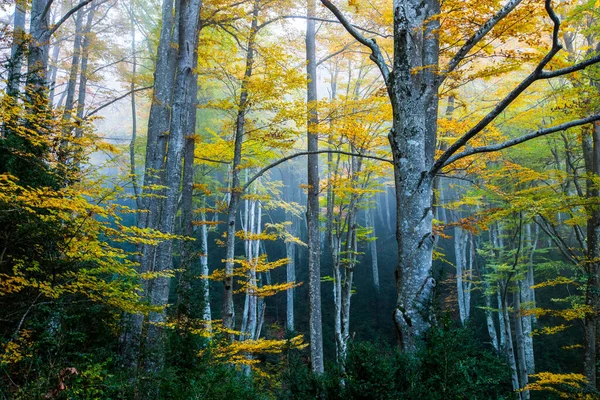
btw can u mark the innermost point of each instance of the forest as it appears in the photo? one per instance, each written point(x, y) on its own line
point(316, 199)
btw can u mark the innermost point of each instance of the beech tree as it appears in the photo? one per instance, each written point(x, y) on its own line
point(412, 83)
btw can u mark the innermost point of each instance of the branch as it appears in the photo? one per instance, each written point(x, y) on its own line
point(67, 15)
point(480, 34)
point(376, 55)
point(94, 111)
point(522, 139)
point(329, 56)
point(537, 74)
point(333, 21)
point(306, 153)
point(571, 69)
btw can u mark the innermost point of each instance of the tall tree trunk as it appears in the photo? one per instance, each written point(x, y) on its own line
point(591, 150)
point(519, 337)
point(312, 209)
point(509, 349)
point(158, 125)
point(228, 312)
point(132, 166)
point(204, 271)
point(83, 73)
point(414, 101)
point(184, 102)
point(72, 82)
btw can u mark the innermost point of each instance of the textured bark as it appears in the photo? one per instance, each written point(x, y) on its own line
point(184, 96)
point(37, 57)
point(158, 125)
point(415, 106)
point(312, 209)
point(591, 150)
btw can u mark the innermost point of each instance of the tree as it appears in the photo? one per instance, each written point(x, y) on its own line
point(412, 84)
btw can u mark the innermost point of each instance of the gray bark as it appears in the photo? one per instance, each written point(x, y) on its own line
point(83, 73)
point(37, 57)
point(184, 96)
point(312, 209)
point(591, 150)
point(519, 337)
point(415, 107)
point(72, 82)
point(373, 248)
point(17, 50)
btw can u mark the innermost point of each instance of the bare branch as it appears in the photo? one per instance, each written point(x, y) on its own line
point(522, 139)
point(571, 69)
point(96, 110)
point(306, 153)
point(67, 15)
point(376, 55)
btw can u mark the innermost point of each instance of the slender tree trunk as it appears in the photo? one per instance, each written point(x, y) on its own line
point(83, 73)
point(228, 313)
point(591, 150)
point(72, 82)
point(132, 166)
point(204, 271)
point(509, 349)
point(519, 337)
point(312, 209)
point(373, 248)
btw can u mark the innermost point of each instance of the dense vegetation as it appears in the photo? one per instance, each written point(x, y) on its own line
point(264, 199)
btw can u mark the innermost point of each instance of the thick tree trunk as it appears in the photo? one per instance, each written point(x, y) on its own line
point(414, 101)
point(37, 56)
point(17, 50)
point(312, 209)
point(184, 96)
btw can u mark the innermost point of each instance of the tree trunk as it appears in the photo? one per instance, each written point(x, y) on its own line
point(37, 55)
point(312, 209)
point(184, 96)
point(72, 82)
point(373, 248)
point(519, 336)
point(83, 73)
point(591, 150)
point(414, 101)
point(228, 313)
point(17, 50)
